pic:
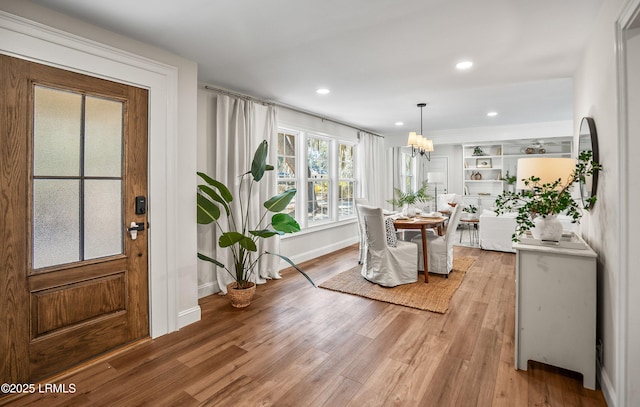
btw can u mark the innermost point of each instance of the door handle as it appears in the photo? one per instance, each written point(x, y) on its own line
point(134, 228)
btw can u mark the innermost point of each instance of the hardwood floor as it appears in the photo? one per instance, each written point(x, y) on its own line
point(300, 346)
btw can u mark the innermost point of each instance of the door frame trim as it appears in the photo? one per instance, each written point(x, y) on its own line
point(26, 39)
point(618, 393)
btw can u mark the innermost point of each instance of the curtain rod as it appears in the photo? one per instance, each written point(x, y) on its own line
point(295, 109)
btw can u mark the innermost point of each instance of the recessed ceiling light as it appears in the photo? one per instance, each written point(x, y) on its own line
point(464, 65)
point(399, 124)
point(492, 114)
point(323, 91)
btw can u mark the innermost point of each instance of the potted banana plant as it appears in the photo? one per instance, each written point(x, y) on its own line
point(214, 200)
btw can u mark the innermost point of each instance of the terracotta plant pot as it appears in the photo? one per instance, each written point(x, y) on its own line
point(240, 298)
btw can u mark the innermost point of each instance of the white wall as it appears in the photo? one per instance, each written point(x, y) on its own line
point(491, 134)
point(181, 302)
point(595, 95)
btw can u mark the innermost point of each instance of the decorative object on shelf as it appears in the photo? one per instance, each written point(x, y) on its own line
point(419, 143)
point(541, 151)
point(483, 163)
point(408, 200)
point(214, 197)
point(478, 151)
point(588, 143)
point(510, 180)
point(569, 240)
point(476, 176)
point(545, 185)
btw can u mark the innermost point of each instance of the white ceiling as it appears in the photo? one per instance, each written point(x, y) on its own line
point(379, 57)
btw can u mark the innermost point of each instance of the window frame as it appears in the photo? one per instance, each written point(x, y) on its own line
point(352, 180)
point(409, 174)
point(293, 180)
point(329, 179)
point(302, 179)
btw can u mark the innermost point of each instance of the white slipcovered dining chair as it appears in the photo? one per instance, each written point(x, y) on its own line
point(443, 201)
point(440, 248)
point(363, 242)
point(386, 263)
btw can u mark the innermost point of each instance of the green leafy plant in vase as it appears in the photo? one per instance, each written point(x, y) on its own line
point(472, 210)
point(545, 201)
point(510, 180)
point(214, 200)
point(408, 200)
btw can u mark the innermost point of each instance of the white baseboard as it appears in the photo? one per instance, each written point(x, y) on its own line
point(212, 287)
point(608, 390)
point(317, 252)
point(207, 289)
point(188, 316)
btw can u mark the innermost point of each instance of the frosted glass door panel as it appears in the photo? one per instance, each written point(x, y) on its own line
point(57, 127)
point(103, 137)
point(56, 222)
point(77, 177)
point(102, 218)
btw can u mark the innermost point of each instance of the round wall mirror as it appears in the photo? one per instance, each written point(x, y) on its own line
point(588, 141)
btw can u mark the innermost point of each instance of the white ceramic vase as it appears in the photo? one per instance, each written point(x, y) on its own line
point(547, 227)
point(409, 211)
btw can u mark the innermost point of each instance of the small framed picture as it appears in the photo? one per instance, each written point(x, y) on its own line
point(483, 163)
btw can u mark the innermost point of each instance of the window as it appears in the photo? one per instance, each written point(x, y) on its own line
point(318, 180)
point(287, 168)
point(322, 170)
point(408, 173)
point(346, 181)
point(77, 173)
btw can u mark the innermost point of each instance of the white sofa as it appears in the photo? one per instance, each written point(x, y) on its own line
point(496, 231)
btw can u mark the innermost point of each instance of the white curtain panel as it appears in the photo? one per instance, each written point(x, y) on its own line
point(372, 169)
point(240, 126)
point(394, 157)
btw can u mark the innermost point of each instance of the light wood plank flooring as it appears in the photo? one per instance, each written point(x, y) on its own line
point(300, 346)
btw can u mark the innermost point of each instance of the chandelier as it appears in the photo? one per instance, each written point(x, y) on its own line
point(419, 143)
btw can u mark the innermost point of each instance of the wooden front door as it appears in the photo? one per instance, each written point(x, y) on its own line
point(73, 159)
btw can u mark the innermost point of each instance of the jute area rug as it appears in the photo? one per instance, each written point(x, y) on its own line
point(434, 296)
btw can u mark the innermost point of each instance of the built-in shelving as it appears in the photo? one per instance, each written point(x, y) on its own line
point(484, 165)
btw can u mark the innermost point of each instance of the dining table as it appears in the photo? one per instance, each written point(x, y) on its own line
point(422, 223)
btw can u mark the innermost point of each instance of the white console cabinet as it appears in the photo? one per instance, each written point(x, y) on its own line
point(556, 308)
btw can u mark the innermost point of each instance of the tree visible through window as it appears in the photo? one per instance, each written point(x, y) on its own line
point(346, 181)
point(287, 167)
point(322, 169)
